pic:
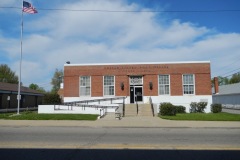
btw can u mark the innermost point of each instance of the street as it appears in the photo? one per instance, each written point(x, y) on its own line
point(68, 143)
point(119, 138)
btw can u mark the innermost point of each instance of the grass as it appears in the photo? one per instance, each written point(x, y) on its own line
point(36, 116)
point(204, 117)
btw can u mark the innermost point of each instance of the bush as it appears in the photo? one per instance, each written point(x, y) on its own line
point(201, 106)
point(167, 109)
point(216, 108)
point(193, 107)
point(197, 107)
point(180, 109)
point(51, 98)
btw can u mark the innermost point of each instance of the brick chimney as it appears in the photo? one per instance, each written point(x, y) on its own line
point(216, 89)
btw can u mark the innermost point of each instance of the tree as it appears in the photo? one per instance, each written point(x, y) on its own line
point(37, 88)
point(33, 86)
point(51, 98)
point(7, 75)
point(235, 78)
point(223, 81)
point(56, 80)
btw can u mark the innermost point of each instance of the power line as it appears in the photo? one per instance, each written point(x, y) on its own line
point(131, 11)
point(231, 74)
point(232, 71)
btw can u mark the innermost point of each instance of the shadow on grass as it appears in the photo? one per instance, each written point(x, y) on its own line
point(116, 154)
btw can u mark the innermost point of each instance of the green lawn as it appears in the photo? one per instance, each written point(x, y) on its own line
point(204, 117)
point(36, 116)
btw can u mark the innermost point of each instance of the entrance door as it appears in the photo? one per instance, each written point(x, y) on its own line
point(138, 94)
point(132, 95)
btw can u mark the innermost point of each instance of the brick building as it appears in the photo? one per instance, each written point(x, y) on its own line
point(177, 82)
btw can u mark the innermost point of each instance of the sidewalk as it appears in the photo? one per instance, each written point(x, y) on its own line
point(110, 121)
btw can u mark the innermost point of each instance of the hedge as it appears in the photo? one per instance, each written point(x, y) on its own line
point(197, 107)
point(167, 109)
point(216, 108)
point(180, 109)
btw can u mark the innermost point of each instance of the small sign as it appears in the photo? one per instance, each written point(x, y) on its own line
point(8, 98)
point(18, 98)
point(136, 80)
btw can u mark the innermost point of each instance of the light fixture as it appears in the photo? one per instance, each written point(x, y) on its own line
point(122, 85)
point(150, 85)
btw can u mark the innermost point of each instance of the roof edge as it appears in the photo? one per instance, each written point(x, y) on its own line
point(135, 63)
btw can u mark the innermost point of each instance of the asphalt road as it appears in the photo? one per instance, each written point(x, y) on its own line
point(70, 143)
point(119, 138)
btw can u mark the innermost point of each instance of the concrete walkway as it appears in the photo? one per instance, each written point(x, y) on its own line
point(110, 121)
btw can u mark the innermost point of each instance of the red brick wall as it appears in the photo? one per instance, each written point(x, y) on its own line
point(149, 72)
point(176, 88)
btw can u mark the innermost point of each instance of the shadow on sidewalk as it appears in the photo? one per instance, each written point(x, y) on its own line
point(116, 154)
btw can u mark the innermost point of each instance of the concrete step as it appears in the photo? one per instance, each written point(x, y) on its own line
point(130, 110)
point(145, 110)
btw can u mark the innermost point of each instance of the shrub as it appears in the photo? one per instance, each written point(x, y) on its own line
point(197, 107)
point(216, 108)
point(193, 107)
point(51, 98)
point(167, 109)
point(180, 109)
point(201, 106)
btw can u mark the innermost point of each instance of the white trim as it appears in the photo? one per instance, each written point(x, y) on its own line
point(113, 87)
point(136, 63)
point(80, 87)
point(194, 85)
point(169, 83)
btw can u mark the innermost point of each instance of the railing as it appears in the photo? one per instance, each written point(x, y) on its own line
point(136, 104)
point(150, 100)
point(103, 107)
point(94, 100)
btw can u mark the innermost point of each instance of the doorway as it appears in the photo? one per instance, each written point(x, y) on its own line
point(136, 94)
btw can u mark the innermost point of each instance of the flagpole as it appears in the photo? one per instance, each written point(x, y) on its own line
point(20, 66)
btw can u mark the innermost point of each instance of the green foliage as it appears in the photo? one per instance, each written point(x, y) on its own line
point(35, 116)
point(33, 86)
point(180, 109)
point(216, 108)
point(37, 88)
point(224, 80)
point(197, 107)
point(56, 80)
point(235, 78)
point(204, 117)
point(51, 98)
point(167, 109)
point(7, 75)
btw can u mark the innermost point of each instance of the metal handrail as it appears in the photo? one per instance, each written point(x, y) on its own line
point(150, 100)
point(95, 100)
point(85, 103)
point(136, 104)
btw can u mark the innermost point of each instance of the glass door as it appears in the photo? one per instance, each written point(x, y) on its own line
point(138, 93)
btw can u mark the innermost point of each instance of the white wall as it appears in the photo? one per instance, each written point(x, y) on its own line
point(184, 100)
point(60, 109)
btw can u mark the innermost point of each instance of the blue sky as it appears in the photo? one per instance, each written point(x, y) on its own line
point(51, 38)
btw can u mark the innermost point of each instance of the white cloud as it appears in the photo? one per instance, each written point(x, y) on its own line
point(95, 37)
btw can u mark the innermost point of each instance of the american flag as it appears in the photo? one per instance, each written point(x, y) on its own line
point(28, 8)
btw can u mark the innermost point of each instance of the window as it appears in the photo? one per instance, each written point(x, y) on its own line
point(108, 85)
point(188, 84)
point(163, 84)
point(85, 86)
